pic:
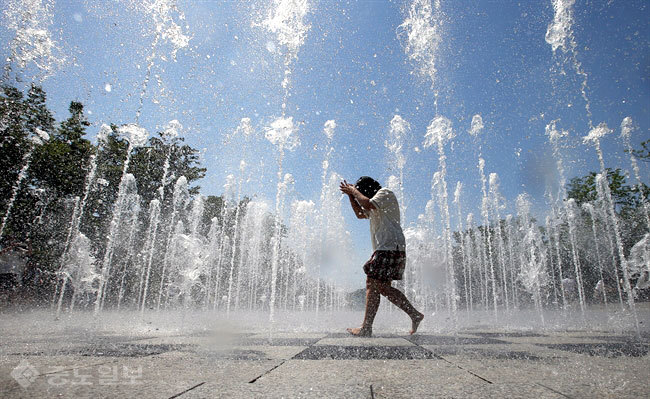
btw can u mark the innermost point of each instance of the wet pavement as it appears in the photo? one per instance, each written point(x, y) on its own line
point(206, 364)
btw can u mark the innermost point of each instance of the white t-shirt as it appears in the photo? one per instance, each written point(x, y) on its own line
point(385, 230)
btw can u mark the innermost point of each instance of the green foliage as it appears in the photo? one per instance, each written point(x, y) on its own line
point(60, 165)
point(25, 120)
point(38, 116)
point(58, 173)
point(629, 203)
point(21, 117)
point(13, 140)
point(212, 209)
point(148, 166)
point(58, 159)
point(644, 152)
point(111, 154)
point(626, 197)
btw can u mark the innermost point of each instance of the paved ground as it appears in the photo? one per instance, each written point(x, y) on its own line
point(472, 363)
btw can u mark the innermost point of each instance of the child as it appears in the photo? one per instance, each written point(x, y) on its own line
point(370, 201)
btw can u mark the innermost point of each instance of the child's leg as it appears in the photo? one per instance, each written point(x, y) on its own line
point(401, 301)
point(372, 305)
point(372, 302)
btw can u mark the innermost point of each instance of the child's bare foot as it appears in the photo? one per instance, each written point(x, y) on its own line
point(415, 322)
point(360, 332)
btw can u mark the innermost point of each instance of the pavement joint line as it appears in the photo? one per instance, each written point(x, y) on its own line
point(280, 364)
point(453, 364)
point(266, 372)
point(187, 390)
point(553, 390)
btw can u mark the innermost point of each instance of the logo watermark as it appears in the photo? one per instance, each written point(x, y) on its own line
point(25, 374)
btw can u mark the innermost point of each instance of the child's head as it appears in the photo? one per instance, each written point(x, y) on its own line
point(367, 186)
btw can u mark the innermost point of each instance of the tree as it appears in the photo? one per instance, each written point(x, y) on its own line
point(626, 197)
point(58, 178)
point(644, 152)
point(61, 164)
point(148, 167)
point(38, 116)
point(27, 122)
point(628, 202)
point(111, 154)
point(14, 142)
point(22, 118)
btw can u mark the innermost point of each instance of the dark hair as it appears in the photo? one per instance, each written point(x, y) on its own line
point(367, 186)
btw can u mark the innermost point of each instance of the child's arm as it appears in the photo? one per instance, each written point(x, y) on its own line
point(357, 208)
point(358, 201)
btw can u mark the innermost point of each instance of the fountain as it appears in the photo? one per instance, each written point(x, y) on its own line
point(26, 161)
point(267, 232)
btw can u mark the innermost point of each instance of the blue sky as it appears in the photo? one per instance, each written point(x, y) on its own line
point(352, 67)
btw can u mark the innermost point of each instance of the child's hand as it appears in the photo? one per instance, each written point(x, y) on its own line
point(347, 188)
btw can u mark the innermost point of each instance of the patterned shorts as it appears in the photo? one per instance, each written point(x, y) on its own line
point(386, 265)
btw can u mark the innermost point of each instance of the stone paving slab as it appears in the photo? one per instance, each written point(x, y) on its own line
point(610, 349)
point(162, 376)
point(288, 390)
point(190, 340)
point(554, 339)
point(309, 376)
point(475, 390)
point(504, 334)
point(44, 366)
point(202, 364)
point(288, 335)
point(254, 353)
point(573, 376)
point(358, 390)
point(495, 351)
point(36, 348)
point(425, 339)
point(363, 341)
point(297, 341)
point(357, 352)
